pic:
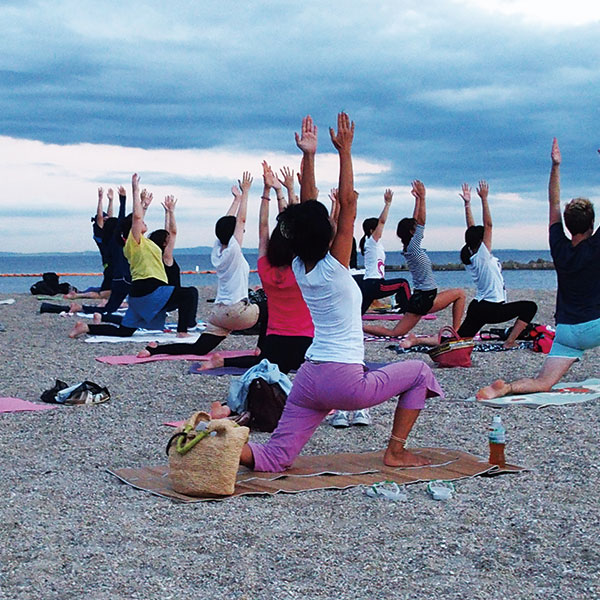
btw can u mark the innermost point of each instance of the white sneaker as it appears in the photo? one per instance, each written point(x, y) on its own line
point(340, 419)
point(361, 417)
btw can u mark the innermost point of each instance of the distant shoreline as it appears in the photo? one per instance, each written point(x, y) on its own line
point(507, 265)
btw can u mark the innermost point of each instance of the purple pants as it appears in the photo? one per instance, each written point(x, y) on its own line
point(318, 388)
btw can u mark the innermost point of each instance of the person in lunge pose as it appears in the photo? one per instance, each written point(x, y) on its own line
point(425, 297)
point(577, 263)
point(333, 375)
point(489, 304)
point(231, 309)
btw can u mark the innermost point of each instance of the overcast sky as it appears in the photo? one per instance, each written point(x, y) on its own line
point(190, 94)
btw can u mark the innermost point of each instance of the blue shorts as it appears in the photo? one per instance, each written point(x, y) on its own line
point(571, 340)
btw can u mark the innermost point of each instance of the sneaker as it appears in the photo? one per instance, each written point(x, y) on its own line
point(340, 419)
point(361, 417)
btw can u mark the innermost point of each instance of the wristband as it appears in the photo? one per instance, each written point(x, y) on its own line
point(266, 198)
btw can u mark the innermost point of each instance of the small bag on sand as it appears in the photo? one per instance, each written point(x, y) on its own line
point(453, 352)
point(204, 456)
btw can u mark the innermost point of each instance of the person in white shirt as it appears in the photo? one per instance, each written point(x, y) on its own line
point(489, 304)
point(333, 375)
point(231, 310)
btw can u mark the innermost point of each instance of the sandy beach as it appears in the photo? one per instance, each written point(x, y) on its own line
point(70, 530)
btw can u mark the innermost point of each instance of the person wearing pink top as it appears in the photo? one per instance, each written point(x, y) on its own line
point(290, 328)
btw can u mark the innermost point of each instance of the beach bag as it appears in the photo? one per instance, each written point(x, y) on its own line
point(86, 392)
point(453, 352)
point(265, 403)
point(543, 338)
point(204, 456)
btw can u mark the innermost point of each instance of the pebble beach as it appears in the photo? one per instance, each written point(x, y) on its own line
point(71, 530)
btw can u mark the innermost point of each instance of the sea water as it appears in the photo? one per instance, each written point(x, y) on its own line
point(89, 262)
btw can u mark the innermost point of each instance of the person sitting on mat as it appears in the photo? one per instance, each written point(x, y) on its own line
point(577, 264)
point(333, 375)
point(425, 297)
point(150, 297)
point(289, 324)
point(489, 304)
point(231, 310)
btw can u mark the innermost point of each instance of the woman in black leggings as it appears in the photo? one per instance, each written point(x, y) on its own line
point(489, 304)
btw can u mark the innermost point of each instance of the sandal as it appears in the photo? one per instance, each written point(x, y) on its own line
point(388, 490)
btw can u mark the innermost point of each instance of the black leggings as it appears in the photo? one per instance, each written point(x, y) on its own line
point(107, 329)
point(185, 300)
point(285, 351)
point(374, 289)
point(203, 345)
point(481, 312)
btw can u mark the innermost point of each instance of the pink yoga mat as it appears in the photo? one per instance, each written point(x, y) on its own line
point(18, 405)
point(392, 317)
point(132, 359)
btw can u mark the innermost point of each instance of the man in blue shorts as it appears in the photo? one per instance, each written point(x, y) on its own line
point(577, 263)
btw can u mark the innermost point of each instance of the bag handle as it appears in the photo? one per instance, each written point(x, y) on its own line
point(184, 445)
point(447, 329)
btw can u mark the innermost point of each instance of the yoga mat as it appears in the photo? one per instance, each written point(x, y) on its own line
point(7, 301)
point(195, 369)
point(392, 317)
point(132, 359)
point(335, 471)
point(561, 394)
point(143, 335)
point(478, 347)
point(18, 405)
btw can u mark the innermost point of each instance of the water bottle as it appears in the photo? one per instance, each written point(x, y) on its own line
point(497, 439)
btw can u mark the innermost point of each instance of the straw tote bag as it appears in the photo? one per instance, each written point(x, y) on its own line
point(455, 352)
point(205, 461)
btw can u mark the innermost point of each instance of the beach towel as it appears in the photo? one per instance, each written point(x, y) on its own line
point(561, 394)
point(392, 317)
point(143, 336)
point(196, 369)
point(17, 405)
point(478, 347)
point(132, 359)
point(335, 471)
point(7, 301)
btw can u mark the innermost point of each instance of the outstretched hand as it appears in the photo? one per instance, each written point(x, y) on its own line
point(135, 181)
point(418, 189)
point(483, 189)
point(307, 141)
point(122, 191)
point(288, 178)
point(146, 198)
point(465, 194)
point(235, 190)
point(269, 178)
point(110, 194)
point(342, 140)
point(387, 196)
point(555, 154)
point(245, 182)
point(169, 203)
point(100, 193)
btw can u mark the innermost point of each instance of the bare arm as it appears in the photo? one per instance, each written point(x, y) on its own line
point(288, 184)
point(270, 178)
point(240, 218)
point(263, 215)
point(341, 247)
point(235, 203)
point(307, 142)
point(137, 224)
point(387, 202)
point(109, 210)
point(554, 185)
point(99, 209)
point(465, 194)
point(418, 191)
point(171, 226)
point(334, 212)
point(482, 191)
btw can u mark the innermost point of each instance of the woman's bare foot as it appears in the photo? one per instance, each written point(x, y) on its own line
point(75, 307)
point(70, 296)
point(79, 329)
point(145, 353)
point(409, 341)
point(508, 345)
point(214, 361)
point(257, 351)
point(183, 334)
point(401, 457)
point(496, 390)
point(97, 318)
point(219, 411)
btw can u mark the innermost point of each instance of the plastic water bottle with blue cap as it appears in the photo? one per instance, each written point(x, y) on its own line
point(497, 439)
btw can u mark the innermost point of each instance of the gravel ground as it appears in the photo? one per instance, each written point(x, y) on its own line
point(70, 530)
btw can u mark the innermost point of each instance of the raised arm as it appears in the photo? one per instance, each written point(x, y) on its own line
point(270, 178)
point(387, 202)
point(240, 218)
point(418, 191)
point(235, 203)
point(263, 215)
point(341, 247)
point(287, 181)
point(110, 196)
point(554, 185)
point(307, 142)
point(334, 213)
point(483, 191)
point(171, 226)
point(139, 209)
point(100, 209)
point(465, 194)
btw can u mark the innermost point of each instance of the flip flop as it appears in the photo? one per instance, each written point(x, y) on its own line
point(388, 490)
point(440, 490)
